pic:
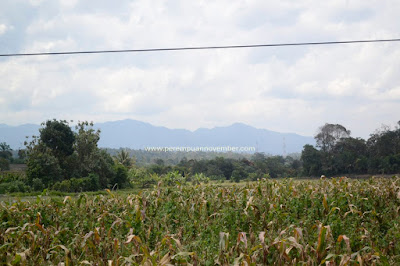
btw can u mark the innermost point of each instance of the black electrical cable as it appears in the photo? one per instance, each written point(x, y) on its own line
point(199, 48)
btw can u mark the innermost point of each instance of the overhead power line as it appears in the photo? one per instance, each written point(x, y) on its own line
point(199, 48)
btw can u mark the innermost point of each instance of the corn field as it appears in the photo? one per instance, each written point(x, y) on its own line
point(328, 221)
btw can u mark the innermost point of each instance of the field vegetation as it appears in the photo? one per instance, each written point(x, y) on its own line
point(61, 159)
point(327, 221)
point(81, 205)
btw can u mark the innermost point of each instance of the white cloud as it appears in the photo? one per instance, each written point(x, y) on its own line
point(36, 2)
point(294, 89)
point(68, 3)
point(3, 28)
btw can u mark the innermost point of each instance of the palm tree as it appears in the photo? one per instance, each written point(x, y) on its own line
point(124, 158)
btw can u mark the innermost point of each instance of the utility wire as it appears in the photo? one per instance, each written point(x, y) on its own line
point(199, 48)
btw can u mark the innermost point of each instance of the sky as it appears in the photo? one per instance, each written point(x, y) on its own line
point(285, 89)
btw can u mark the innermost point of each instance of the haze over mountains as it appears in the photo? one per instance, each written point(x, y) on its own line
point(139, 135)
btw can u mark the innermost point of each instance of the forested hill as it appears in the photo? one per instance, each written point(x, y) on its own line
point(139, 135)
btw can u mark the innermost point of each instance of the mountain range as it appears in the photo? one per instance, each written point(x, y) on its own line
point(139, 135)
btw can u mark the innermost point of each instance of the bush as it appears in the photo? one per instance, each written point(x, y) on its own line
point(236, 176)
point(4, 188)
point(19, 186)
point(173, 178)
point(9, 177)
point(12, 187)
point(198, 179)
point(62, 186)
point(140, 178)
point(90, 183)
point(121, 176)
point(94, 183)
point(44, 166)
point(4, 164)
point(11, 182)
point(37, 184)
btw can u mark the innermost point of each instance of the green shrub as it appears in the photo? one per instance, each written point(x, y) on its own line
point(173, 178)
point(141, 178)
point(4, 188)
point(12, 187)
point(9, 177)
point(121, 176)
point(93, 182)
point(198, 179)
point(37, 184)
point(43, 166)
point(90, 183)
point(147, 181)
point(4, 164)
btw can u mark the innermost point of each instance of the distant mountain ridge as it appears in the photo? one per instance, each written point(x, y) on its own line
point(139, 135)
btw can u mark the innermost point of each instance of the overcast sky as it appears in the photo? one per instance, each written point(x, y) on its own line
point(287, 89)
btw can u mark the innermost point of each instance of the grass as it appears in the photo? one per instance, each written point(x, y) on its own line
point(330, 221)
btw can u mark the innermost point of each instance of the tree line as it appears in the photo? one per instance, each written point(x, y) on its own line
point(66, 160)
point(337, 153)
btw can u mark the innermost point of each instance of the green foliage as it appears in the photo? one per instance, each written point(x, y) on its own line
point(141, 178)
point(15, 186)
point(93, 182)
point(322, 222)
point(104, 168)
point(121, 176)
point(37, 184)
point(198, 179)
point(244, 169)
point(11, 182)
point(44, 166)
point(60, 158)
point(86, 148)
point(347, 156)
point(144, 158)
point(329, 135)
point(4, 164)
point(22, 154)
point(90, 183)
point(312, 162)
point(124, 158)
point(173, 179)
point(5, 151)
point(58, 137)
point(5, 156)
point(341, 154)
point(12, 176)
point(237, 175)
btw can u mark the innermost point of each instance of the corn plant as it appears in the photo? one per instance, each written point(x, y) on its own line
point(284, 222)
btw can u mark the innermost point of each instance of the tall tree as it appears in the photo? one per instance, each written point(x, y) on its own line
point(86, 140)
point(384, 150)
point(349, 156)
point(329, 134)
point(5, 156)
point(58, 136)
point(5, 151)
point(311, 159)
